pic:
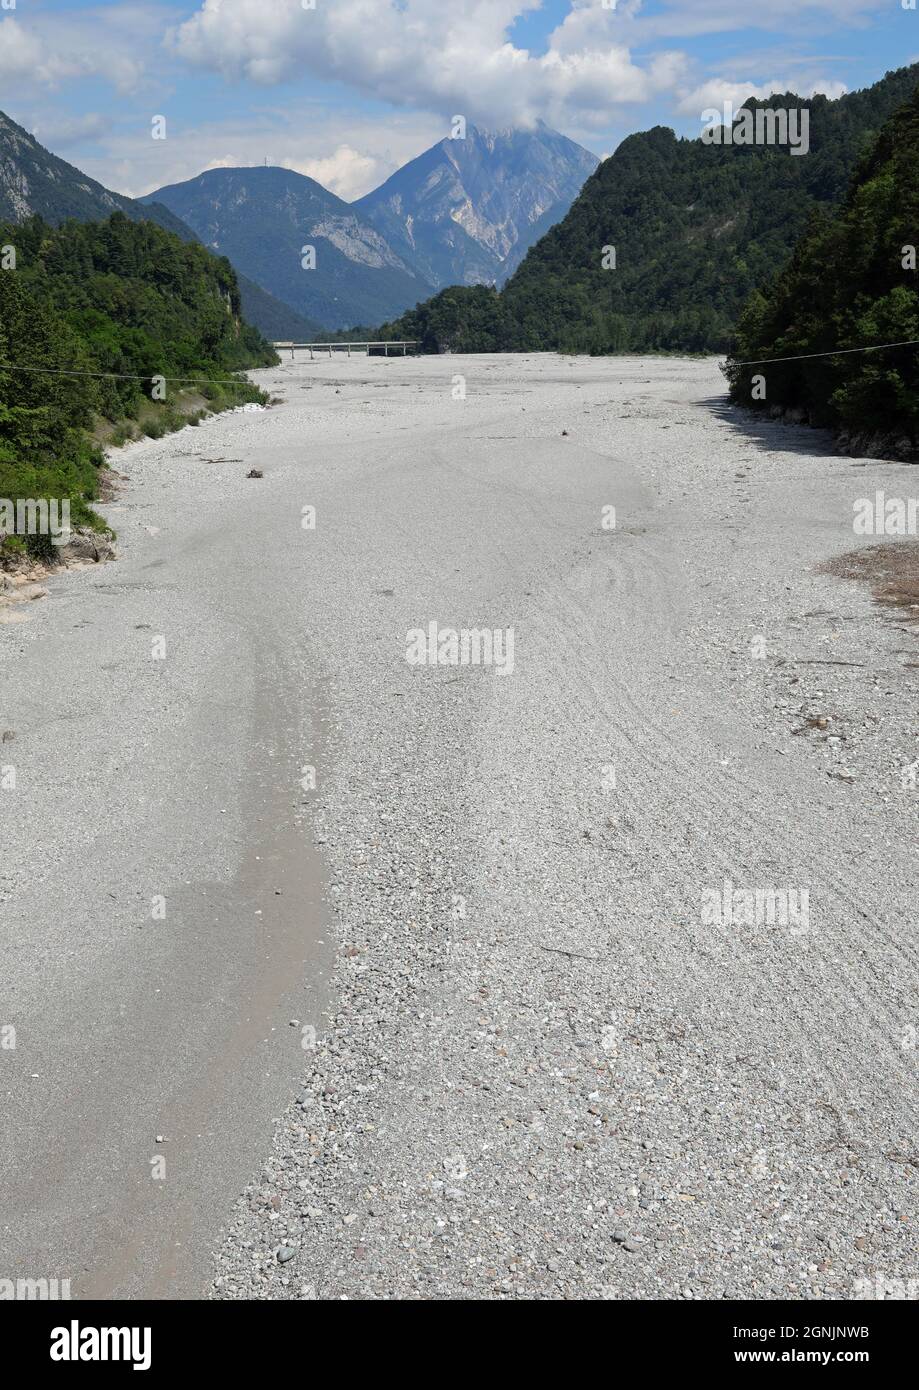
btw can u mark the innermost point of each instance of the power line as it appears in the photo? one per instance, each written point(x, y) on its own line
point(839, 352)
point(125, 376)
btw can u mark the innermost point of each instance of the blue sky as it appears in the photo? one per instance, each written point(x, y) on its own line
point(347, 90)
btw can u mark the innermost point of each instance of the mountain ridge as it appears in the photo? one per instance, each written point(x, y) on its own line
point(33, 181)
point(263, 217)
point(463, 211)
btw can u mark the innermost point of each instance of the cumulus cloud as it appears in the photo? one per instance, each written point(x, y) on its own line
point(50, 51)
point(350, 152)
point(58, 131)
point(431, 54)
point(460, 58)
point(717, 91)
point(22, 54)
point(410, 65)
point(345, 171)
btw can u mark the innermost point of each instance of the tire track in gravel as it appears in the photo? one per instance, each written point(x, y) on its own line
point(780, 849)
point(761, 829)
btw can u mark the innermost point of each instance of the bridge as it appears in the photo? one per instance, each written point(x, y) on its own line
point(371, 349)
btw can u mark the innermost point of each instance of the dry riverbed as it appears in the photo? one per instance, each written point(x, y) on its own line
point(459, 937)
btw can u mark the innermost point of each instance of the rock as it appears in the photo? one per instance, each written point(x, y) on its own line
point(85, 545)
point(255, 473)
point(285, 1253)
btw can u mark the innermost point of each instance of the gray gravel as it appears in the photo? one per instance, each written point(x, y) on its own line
point(544, 1076)
point(538, 1071)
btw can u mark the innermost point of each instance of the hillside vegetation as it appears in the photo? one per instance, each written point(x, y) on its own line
point(696, 229)
point(35, 182)
point(851, 283)
point(90, 299)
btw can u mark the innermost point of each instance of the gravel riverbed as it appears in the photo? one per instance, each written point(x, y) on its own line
point(502, 1040)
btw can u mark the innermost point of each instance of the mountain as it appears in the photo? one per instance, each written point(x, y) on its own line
point(811, 308)
point(33, 181)
point(278, 321)
point(466, 211)
point(262, 218)
point(696, 228)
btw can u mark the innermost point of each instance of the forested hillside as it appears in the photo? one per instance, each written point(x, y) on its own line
point(35, 182)
point(90, 299)
point(459, 319)
point(695, 229)
point(851, 283)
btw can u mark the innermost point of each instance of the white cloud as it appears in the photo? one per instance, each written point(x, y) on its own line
point(348, 151)
point(18, 49)
point(23, 54)
point(450, 58)
point(458, 57)
point(57, 131)
point(345, 172)
point(684, 19)
point(417, 61)
point(51, 50)
point(717, 90)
